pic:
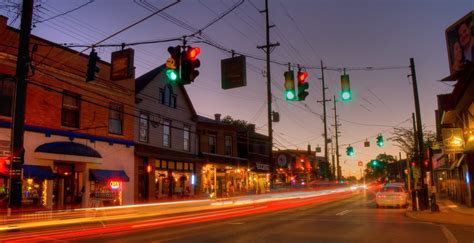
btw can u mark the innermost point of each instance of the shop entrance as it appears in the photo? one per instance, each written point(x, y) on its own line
point(63, 191)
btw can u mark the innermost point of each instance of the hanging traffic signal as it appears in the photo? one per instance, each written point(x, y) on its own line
point(380, 142)
point(350, 151)
point(346, 94)
point(92, 67)
point(172, 63)
point(302, 85)
point(374, 163)
point(189, 63)
point(290, 86)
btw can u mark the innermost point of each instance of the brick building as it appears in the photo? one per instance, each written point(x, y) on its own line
point(78, 134)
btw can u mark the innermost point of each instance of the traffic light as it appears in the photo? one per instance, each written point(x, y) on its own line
point(302, 85)
point(380, 142)
point(172, 64)
point(346, 94)
point(374, 163)
point(290, 86)
point(350, 151)
point(92, 67)
point(189, 63)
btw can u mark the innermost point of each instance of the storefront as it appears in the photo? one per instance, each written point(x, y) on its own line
point(36, 191)
point(174, 178)
point(106, 187)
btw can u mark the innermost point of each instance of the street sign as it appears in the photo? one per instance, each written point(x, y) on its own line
point(233, 72)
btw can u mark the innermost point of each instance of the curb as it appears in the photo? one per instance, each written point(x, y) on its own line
point(412, 215)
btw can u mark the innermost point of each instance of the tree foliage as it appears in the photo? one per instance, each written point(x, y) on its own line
point(377, 168)
point(240, 124)
point(404, 139)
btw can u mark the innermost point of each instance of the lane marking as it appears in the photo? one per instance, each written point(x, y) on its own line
point(449, 236)
point(343, 212)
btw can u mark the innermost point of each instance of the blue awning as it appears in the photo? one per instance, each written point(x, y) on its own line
point(107, 175)
point(38, 172)
point(69, 148)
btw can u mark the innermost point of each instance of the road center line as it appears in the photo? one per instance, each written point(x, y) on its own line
point(449, 236)
point(343, 212)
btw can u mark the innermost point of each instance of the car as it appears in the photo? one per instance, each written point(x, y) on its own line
point(392, 195)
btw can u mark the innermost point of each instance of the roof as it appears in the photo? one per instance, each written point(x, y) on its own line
point(142, 81)
point(203, 119)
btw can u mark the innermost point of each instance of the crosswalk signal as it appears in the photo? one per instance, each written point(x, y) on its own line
point(172, 63)
point(189, 63)
point(302, 85)
point(380, 141)
point(92, 67)
point(289, 86)
point(346, 94)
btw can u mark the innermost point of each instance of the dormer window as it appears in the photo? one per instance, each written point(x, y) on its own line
point(167, 97)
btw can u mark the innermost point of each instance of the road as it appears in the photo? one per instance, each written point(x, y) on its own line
point(345, 218)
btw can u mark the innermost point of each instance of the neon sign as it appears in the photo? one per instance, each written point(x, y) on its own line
point(114, 185)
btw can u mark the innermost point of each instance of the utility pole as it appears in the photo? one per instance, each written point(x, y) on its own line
point(419, 130)
point(267, 48)
point(333, 161)
point(18, 116)
point(324, 110)
point(336, 125)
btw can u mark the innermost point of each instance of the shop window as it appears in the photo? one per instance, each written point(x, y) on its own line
point(166, 133)
point(186, 138)
point(157, 164)
point(191, 166)
point(71, 110)
point(167, 97)
point(186, 166)
point(116, 118)
point(164, 164)
point(171, 165)
point(228, 145)
point(143, 128)
point(179, 165)
point(7, 88)
point(212, 144)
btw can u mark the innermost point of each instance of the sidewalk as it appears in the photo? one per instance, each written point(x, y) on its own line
point(450, 213)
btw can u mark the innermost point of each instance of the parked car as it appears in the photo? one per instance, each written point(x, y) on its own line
point(392, 195)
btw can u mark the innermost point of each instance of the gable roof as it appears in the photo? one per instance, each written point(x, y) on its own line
point(142, 81)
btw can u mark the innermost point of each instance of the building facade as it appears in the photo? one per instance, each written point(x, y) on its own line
point(166, 150)
point(78, 137)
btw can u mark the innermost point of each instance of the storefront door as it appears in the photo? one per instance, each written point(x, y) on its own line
point(64, 193)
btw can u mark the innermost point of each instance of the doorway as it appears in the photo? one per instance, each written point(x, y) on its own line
point(63, 190)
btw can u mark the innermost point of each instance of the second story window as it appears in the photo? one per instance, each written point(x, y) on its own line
point(71, 110)
point(167, 133)
point(228, 145)
point(116, 118)
point(186, 138)
point(7, 88)
point(212, 144)
point(167, 97)
point(143, 128)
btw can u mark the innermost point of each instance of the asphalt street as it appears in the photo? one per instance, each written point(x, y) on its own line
point(352, 218)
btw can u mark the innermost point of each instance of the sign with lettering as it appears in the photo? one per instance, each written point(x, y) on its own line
point(122, 65)
point(114, 185)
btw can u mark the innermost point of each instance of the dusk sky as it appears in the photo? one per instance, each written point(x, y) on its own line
point(343, 33)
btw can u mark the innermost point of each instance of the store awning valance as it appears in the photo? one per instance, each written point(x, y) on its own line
point(38, 172)
point(107, 175)
point(68, 148)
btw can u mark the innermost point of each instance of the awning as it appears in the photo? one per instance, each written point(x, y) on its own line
point(107, 175)
point(224, 159)
point(457, 163)
point(38, 172)
point(69, 148)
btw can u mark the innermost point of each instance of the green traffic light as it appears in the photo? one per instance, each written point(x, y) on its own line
point(346, 95)
point(290, 95)
point(171, 74)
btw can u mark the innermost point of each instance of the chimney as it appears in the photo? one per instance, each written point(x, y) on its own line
point(217, 116)
point(3, 23)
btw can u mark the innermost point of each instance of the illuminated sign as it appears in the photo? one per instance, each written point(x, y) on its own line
point(193, 180)
point(453, 140)
point(114, 185)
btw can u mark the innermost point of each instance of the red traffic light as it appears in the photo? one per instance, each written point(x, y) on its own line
point(193, 53)
point(302, 77)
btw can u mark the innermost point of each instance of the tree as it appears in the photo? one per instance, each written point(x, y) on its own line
point(404, 138)
point(240, 124)
point(377, 168)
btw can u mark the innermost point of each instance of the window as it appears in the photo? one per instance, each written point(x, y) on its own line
point(166, 133)
point(7, 88)
point(143, 128)
point(186, 136)
point(167, 97)
point(115, 118)
point(212, 144)
point(71, 110)
point(228, 145)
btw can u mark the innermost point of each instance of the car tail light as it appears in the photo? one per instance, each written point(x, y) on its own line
point(380, 196)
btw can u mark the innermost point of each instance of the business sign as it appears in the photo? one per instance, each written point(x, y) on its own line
point(4, 148)
point(282, 160)
point(233, 72)
point(122, 65)
point(114, 185)
point(460, 42)
point(261, 166)
point(453, 140)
